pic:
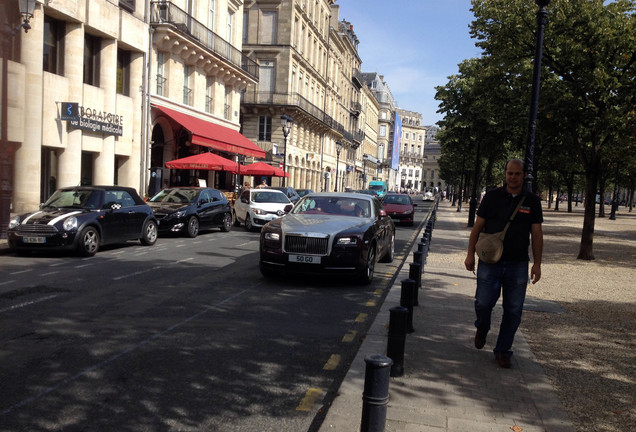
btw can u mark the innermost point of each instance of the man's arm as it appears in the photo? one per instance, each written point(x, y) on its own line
point(537, 252)
point(469, 262)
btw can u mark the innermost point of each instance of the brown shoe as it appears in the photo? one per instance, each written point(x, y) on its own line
point(480, 339)
point(503, 360)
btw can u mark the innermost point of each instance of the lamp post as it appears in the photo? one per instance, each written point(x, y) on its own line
point(27, 7)
point(542, 17)
point(286, 122)
point(338, 148)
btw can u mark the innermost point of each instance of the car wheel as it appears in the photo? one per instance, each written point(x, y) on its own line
point(193, 227)
point(267, 272)
point(388, 257)
point(366, 276)
point(248, 223)
point(149, 233)
point(227, 223)
point(236, 221)
point(88, 242)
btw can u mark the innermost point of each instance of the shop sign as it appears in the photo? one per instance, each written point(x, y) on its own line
point(86, 118)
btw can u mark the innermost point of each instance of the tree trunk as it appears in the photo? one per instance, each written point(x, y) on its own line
point(570, 189)
point(586, 248)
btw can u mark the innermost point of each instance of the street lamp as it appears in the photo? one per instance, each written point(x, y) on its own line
point(27, 7)
point(542, 17)
point(286, 122)
point(338, 148)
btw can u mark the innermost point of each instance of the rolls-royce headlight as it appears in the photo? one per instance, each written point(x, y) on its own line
point(70, 224)
point(273, 236)
point(347, 241)
point(14, 222)
point(259, 211)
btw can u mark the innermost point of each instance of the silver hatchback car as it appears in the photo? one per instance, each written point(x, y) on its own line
point(256, 207)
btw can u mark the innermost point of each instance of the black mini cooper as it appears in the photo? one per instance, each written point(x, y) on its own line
point(83, 219)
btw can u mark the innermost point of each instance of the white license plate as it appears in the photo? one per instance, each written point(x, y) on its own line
point(395, 220)
point(307, 259)
point(34, 239)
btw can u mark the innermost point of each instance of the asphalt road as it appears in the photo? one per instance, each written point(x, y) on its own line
point(182, 336)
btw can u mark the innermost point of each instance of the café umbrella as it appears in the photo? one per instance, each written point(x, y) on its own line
point(204, 161)
point(263, 169)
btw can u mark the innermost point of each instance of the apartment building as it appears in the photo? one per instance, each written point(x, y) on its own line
point(430, 168)
point(412, 150)
point(388, 142)
point(308, 70)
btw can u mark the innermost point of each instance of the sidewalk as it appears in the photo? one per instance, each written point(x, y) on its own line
point(449, 385)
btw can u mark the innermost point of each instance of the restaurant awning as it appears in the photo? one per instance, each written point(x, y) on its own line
point(212, 135)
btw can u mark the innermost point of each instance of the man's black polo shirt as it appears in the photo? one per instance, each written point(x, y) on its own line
point(497, 207)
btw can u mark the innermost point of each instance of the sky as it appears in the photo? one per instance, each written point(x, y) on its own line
point(415, 44)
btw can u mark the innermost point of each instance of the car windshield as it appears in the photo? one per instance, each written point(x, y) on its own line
point(339, 206)
point(180, 196)
point(73, 198)
point(396, 199)
point(376, 187)
point(269, 197)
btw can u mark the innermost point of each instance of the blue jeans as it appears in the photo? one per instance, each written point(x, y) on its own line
point(511, 278)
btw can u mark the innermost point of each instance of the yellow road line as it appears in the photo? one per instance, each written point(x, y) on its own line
point(332, 363)
point(371, 303)
point(309, 400)
point(361, 317)
point(350, 336)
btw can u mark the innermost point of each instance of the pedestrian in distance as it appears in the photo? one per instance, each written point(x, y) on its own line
point(263, 184)
point(508, 276)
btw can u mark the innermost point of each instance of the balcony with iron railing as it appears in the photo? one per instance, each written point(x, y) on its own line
point(165, 13)
point(356, 77)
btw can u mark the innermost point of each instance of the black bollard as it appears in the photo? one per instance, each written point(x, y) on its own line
point(417, 256)
point(406, 300)
point(415, 273)
point(397, 339)
point(421, 246)
point(376, 393)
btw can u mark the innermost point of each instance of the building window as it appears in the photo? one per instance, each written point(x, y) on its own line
point(268, 28)
point(53, 49)
point(383, 130)
point(417, 173)
point(211, 8)
point(161, 80)
point(432, 173)
point(227, 109)
point(264, 128)
point(209, 94)
point(187, 91)
point(123, 72)
point(128, 5)
point(245, 26)
point(92, 49)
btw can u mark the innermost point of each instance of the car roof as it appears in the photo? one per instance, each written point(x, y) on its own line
point(266, 190)
point(99, 187)
point(342, 195)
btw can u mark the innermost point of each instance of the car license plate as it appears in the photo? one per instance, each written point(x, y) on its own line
point(307, 259)
point(395, 219)
point(34, 239)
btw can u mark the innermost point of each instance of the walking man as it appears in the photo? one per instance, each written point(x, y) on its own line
point(510, 274)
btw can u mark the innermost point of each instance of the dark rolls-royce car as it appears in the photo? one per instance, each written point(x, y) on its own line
point(337, 233)
point(187, 210)
point(84, 218)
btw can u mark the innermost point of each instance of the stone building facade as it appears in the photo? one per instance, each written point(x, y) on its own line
point(412, 150)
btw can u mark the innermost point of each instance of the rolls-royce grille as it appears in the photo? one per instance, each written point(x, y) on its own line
point(37, 229)
point(306, 245)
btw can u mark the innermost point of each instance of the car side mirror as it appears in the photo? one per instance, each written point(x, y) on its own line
point(288, 208)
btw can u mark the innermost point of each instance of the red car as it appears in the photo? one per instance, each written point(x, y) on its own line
point(399, 207)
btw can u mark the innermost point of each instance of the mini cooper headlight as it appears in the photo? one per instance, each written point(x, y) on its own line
point(347, 241)
point(273, 236)
point(14, 222)
point(70, 224)
point(259, 211)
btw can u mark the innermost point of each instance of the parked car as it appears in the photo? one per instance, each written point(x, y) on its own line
point(290, 192)
point(187, 210)
point(428, 196)
point(84, 218)
point(303, 192)
point(399, 207)
point(256, 207)
point(337, 233)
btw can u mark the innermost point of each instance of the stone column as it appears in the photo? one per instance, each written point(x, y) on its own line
point(70, 158)
point(104, 168)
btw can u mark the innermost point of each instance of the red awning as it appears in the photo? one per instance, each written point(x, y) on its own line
point(212, 135)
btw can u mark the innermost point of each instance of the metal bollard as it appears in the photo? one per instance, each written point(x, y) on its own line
point(421, 246)
point(397, 339)
point(406, 300)
point(415, 273)
point(376, 393)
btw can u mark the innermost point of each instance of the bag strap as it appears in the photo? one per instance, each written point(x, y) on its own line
point(514, 213)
